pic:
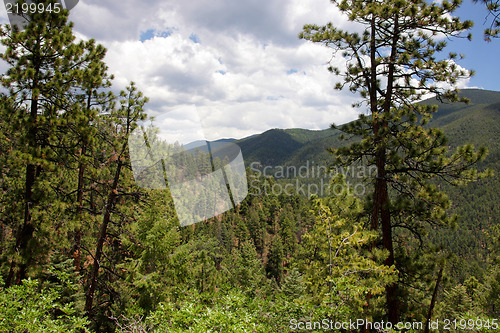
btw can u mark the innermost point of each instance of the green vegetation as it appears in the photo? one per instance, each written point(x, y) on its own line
point(84, 249)
point(392, 65)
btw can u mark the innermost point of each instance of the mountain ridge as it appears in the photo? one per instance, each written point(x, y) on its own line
point(291, 146)
point(476, 204)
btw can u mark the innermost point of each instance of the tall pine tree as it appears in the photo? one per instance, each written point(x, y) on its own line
point(392, 63)
point(123, 120)
point(46, 66)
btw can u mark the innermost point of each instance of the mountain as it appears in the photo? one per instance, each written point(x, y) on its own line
point(271, 147)
point(276, 146)
point(202, 144)
point(477, 122)
point(477, 204)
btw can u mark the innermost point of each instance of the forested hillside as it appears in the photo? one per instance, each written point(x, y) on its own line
point(83, 248)
point(477, 204)
point(475, 122)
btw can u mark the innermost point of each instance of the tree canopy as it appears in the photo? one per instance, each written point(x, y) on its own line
point(392, 61)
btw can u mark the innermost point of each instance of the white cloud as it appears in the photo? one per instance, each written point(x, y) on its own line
point(247, 72)
point(240, 63)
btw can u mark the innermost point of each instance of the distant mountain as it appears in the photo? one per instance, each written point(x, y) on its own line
point(269, 148)
point(276, 146)
point(477, 204)
point(476, 122)
point(201, 144)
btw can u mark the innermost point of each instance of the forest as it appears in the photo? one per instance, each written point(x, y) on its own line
point(83, 248)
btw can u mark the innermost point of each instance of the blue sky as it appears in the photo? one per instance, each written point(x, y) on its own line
point(241, 63)
point(481, 56)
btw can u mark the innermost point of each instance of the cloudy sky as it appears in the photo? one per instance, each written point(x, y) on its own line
point(240, 63)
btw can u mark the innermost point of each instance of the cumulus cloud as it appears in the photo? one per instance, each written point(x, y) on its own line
point(277, 21)
point(240, 63)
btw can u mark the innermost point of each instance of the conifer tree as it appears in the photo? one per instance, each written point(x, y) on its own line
point(93, 99)
point(492, 293)
point(247, 270)
point(293, 285)
point(46, 66)
point(11, 171)
point(339, 268)
point(116, 126)
point(274, 266)
point(393, 62)
point(288, 230)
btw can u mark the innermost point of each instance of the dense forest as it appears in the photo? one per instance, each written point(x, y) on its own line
point(83, 248)
point(477, 122)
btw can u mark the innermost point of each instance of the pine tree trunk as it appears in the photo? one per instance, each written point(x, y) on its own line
point(371, 83)
point(79, 196)
point(381, 204)
point(100, 240)
point(433, 300)
point(25, 232)
point(79, 210)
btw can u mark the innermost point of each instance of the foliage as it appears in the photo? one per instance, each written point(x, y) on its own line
point(274, 266)
point(493, 7)
point(392, 65)
point(83, 248)
point(230, 312)
point(341, 269)
point(29, 308)
point(46, 67)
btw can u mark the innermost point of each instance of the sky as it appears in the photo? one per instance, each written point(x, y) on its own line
point(240, 64)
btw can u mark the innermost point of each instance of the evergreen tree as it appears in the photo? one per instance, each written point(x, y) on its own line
point(11, 169)
point(46, 66)
point(257, 225)
point(274, 266)
point(392, 65)
point(288, 230)
point(247, 269)
point(123, 121)
point(151, 241)
point(93, 98)
point(457, 302)
point(492, 283)
point(293, 285)
point(339, 268)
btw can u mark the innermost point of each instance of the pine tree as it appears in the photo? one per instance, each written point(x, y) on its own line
point(492, 293)
point(123, 121)
point(256, 225)
point(274, 266)
point(392, 65)
point(93, 99)
point(288, 230)
point(457, 302)
point(247, 270)
point(339, 268)
point(11, 170)
point(150, 241)
point(293, 285)
point(46, 66)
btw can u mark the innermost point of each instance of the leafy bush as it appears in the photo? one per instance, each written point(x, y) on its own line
point(27, 308)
